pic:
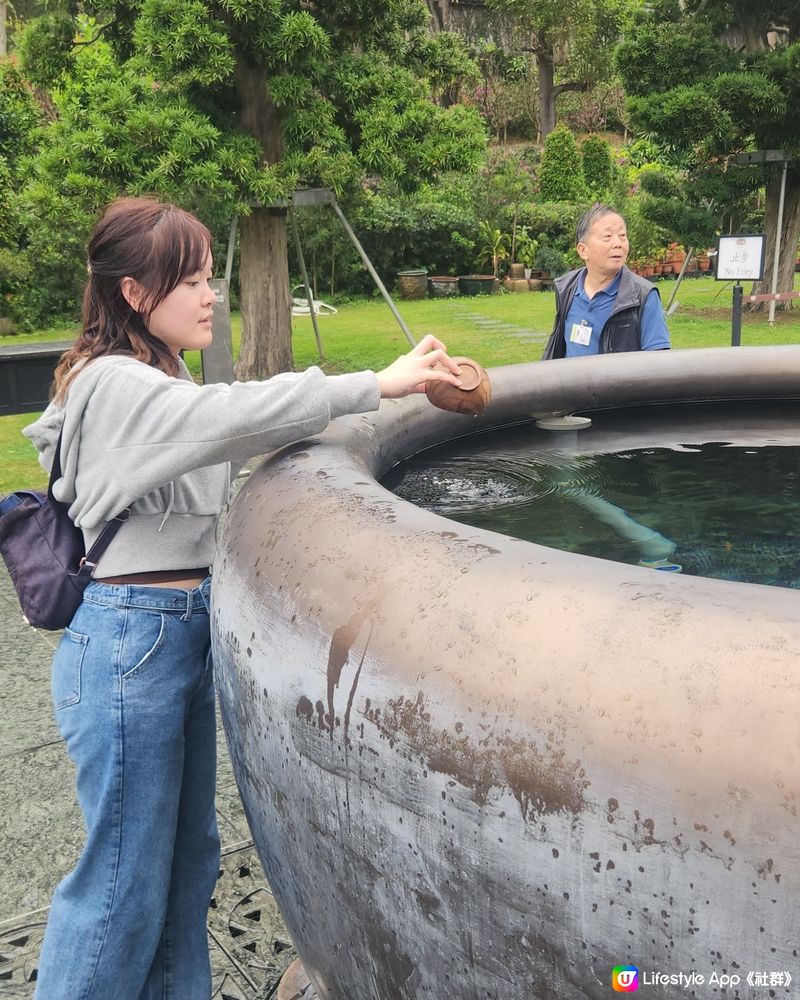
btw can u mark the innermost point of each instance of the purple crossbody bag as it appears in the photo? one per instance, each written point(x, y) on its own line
point(45, 554)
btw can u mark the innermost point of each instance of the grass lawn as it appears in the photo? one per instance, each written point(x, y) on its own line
point(19, 468)
point(495, 330)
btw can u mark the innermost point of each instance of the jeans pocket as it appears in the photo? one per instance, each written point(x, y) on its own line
point(145, 632)
point(67, 668)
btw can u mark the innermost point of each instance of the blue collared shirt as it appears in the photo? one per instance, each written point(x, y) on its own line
point(594, 313)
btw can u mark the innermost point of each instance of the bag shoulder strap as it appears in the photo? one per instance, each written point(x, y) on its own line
point(103, 540)
point(55, 468)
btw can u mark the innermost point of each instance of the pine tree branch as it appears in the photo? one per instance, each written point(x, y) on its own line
point(100, 31)
point(580, 86)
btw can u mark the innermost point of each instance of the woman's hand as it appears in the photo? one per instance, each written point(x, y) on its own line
point(411, 371)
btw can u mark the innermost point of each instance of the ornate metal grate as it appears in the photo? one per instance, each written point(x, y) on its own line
point(250, 948)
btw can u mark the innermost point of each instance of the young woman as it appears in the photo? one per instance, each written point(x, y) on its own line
point(132, 677)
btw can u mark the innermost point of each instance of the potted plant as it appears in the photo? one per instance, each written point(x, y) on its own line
point(527, 248)
point(676, 255)
point(550, 261)
point(704, 261)
point(493, 250)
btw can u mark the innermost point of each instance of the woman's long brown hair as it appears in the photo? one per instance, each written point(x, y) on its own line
point(156, 244)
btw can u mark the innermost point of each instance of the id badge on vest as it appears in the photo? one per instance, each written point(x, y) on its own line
point(581, 333)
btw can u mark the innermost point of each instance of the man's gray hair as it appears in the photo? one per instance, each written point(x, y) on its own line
point(588, 219)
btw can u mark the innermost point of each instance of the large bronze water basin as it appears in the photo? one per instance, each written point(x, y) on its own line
point(475, 767)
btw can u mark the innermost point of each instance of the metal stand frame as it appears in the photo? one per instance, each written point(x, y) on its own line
point(736, 315)
point(312, 197)
point(762, 156)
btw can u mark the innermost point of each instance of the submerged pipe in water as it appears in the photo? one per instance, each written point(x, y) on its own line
point(653, 547)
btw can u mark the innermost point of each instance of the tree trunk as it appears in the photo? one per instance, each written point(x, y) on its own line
point(440, 15)
point(265, 302)
point(264, 270)
point(3, 35)
point(546, 92)
point(752, 24)
point(789, 236)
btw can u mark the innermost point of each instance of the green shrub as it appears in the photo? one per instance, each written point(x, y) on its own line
point(642, 151)
point(644, 236)
point(20, 118)
point(46, 47)
point(553, 225)
point(561, 171)
point(598, 166)
point(112, 131)
point(437, 227)
point(552, 259)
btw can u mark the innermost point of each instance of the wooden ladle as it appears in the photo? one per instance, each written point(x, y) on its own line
point(472, 396)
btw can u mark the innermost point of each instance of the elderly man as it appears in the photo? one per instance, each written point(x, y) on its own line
point(603, 308)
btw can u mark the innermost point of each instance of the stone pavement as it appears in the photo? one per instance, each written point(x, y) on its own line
point(41, 834)
point(526, 335)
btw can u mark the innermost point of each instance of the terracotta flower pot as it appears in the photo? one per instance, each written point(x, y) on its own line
point(515, 284)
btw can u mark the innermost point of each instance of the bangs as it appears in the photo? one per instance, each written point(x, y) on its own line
point(159, 246)
point(179, 247)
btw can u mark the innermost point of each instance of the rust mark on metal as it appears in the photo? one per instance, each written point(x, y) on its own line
point(766, 869)
point(353, 687)
point(305, 708)
point(395, 974)
point(429, 904)
point(341, 642)
point(541, 780)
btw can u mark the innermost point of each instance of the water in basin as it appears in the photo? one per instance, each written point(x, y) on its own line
point(711, 490)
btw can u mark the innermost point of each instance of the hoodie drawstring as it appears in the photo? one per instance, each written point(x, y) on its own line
point(170, 505)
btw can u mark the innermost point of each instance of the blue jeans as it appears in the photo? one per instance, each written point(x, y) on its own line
point(134, 698)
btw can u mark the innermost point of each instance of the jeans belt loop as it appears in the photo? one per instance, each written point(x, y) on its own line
point(187, 615)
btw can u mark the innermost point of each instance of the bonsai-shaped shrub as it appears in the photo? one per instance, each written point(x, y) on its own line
point(550, 259)
point(561, 172)
point(598, 166)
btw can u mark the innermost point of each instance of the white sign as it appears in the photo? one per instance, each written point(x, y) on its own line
point(740, 258)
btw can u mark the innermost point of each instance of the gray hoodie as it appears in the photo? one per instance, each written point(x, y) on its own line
point(135, 437)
